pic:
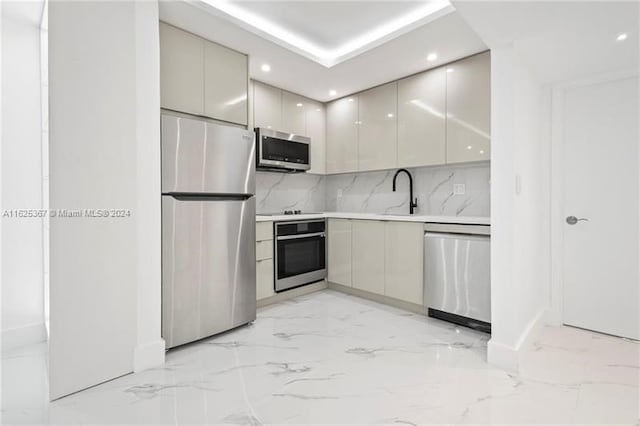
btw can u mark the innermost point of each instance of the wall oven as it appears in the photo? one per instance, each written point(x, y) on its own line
point(279, 151)
point(300, 253)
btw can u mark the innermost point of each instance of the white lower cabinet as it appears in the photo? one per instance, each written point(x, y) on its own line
point(380, 257)
point(403, 259)
point(264, 278)
point(264, 260)
point(367, 255)
point(339, 252)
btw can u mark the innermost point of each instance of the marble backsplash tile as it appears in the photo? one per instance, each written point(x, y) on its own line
point(276, 192)
point(371, 192)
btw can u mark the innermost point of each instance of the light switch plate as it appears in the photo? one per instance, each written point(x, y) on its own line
point(459, 189)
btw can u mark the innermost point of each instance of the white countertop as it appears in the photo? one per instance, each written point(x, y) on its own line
point(465, 220)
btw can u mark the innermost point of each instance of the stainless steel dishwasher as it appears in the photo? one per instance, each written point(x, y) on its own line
point(457, 277)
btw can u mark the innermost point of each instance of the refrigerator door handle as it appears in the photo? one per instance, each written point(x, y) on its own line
point(189, 196)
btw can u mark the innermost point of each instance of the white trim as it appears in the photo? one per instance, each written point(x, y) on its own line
point(503, 356)
point(508, 357)
point(148, 355)
point(22, 336)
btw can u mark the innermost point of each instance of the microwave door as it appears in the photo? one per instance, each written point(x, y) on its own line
point(200, 156)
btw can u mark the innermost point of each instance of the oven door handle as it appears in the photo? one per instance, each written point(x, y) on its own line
point(299, 236)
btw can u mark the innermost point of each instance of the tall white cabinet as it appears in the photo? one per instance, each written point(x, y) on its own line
point(202, 78)
point(181, 70)
point(267, 106)
point(342, 135)
point(316, 127)
point(421, 119)
point(469, 109)
point(377, 116)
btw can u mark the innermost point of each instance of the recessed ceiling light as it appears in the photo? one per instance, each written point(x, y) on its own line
point(450, 70)
point(622, 37)
point(265, 67)
point(390, 115)
point(432, 57)
point(332, 92)
point(298, 104)
point(350, 99)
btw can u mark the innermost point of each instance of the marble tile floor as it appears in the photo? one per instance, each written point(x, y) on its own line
point(331, 358)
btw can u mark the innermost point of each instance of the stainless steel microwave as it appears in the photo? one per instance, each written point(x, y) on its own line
point(281, 151)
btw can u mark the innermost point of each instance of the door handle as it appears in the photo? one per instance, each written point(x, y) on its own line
point(572, 220)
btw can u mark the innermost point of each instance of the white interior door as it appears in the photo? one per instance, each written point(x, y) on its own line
point(600, 168)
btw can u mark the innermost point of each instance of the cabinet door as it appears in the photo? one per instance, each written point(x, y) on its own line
point(264, 279)
point(421, 119)
point(377, 137)
point(181, 70)
point(339, 252)
point(368, 255)
point(225, 83)
point(267, 106)
point(469, 109)
point(293, 114)
point(316, 131)
point(342, 135)
point(403, 261)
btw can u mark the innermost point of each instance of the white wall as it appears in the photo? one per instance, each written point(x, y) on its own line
point(520, 205)
point(104, 153)
point(21, 181)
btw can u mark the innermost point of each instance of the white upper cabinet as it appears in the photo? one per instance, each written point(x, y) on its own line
point(342, 135)
point(377, 137)
point(293, 114)
point(421, 119)
point(181, 70)
point(225, 84)
point(315, 119)
point(469, 109)
point(200, 77)
point(267, 106)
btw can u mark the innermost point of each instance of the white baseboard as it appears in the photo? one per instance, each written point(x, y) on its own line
point(503, 356)
point(23, 336)
point(149, 355)
point(507, 356)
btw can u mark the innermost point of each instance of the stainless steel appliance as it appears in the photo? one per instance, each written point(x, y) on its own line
point(457, 276)
point(300, 253)
point(208, 228)
point(279, 151)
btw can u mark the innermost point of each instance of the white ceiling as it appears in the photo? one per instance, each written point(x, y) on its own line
point(561, 41)
point(330, 24)
point(328, 32)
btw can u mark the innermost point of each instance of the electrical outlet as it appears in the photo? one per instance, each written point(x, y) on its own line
point(459, 189)
point(339, 192)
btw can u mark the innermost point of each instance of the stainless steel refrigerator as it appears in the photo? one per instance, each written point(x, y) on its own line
point(208, 228)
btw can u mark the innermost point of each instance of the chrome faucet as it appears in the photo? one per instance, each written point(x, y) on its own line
point(412, 203)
